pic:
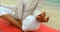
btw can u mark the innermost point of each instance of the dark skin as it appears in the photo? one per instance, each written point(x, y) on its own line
point(42, 17)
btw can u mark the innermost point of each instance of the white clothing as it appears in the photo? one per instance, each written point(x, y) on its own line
point(4, 11)
point(25, 1)
point(29, 7)
point(29, 23)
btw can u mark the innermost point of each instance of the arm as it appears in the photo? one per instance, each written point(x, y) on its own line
point(11, 20)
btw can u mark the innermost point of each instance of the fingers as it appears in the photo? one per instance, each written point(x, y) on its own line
point(38, 18)
point(42, 17)
point(47, 19)
point(43, 14)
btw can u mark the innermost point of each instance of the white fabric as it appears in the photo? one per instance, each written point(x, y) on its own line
point(24, 4)
point(30, 23)
point(25, 1)
point(37, 12)
point(4, 11)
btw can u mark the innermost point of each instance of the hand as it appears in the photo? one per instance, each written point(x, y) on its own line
point(42, 18)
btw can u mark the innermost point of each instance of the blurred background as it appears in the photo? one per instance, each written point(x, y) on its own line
point(52, 7)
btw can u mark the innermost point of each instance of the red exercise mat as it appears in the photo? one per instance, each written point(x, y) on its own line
point(6, 27)
point(9, 29)
point(44, 28)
